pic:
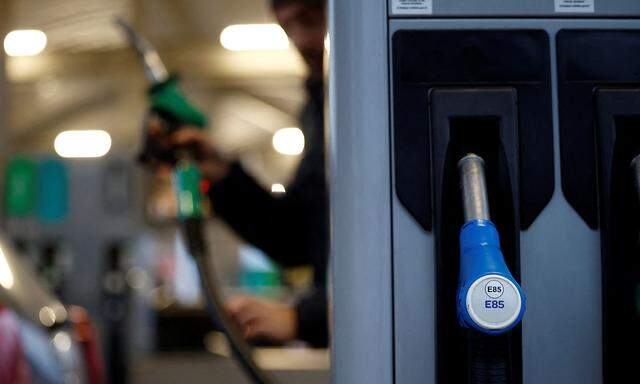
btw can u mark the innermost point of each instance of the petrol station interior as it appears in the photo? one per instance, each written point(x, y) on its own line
point(109, 242)
point(319, 191)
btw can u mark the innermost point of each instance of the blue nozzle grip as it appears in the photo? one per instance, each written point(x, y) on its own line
point(489, 299)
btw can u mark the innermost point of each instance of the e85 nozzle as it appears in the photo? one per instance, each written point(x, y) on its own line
point(489, 299)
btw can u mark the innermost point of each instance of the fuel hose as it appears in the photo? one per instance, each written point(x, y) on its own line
point(187, 183)
point(192, 231)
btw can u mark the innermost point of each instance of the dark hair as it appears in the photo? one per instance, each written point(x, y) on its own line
point(313, 3)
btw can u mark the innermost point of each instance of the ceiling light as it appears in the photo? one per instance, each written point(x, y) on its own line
point(277, 188)
point(25, 42)
point(82, 143)
point(288, 141)
point(62, 341)
point(254, 37)
point(47, 316)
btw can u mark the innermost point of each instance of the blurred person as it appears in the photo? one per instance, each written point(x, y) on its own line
point(292, 229)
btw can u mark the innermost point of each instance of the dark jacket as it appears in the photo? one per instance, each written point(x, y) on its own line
point(292, 229)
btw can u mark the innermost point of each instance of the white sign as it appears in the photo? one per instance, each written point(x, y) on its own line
point(412, 7)
point(575, 6)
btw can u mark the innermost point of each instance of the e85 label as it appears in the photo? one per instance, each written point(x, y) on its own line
point(494, 289)
point(494, 304)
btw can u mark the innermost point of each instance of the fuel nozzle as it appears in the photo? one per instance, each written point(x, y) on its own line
point(166, 100)
point(489, 298)
point(154, 68)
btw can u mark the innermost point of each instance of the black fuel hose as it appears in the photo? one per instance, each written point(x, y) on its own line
point(488, 359)
point(193, 234)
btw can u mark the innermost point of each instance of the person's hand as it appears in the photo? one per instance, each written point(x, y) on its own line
point(263, 319)
point(211, 165)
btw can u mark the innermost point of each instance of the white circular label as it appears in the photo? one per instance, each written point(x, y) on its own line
point(493, 302)
point(494, 289)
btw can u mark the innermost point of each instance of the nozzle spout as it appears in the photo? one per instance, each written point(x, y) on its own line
point(154, 68)
point(474, 188)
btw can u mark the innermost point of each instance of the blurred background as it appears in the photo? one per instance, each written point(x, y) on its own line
point(103, 234)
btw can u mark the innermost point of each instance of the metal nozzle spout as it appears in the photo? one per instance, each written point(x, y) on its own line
point(154, 68)
point(474, 188)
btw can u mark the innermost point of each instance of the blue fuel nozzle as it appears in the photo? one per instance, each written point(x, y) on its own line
point(489, 299)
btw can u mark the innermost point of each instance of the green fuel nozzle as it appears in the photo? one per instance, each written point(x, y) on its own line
point(167, 101)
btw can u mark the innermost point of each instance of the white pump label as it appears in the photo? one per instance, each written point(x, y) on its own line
point(412, 7)
point(575, 6)
point(493, 302)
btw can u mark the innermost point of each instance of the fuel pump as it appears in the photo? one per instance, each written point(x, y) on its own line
point(175, 111)
point(547, 93)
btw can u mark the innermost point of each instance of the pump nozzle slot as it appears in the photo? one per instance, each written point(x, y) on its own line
point(483, 122)
point(618, 147)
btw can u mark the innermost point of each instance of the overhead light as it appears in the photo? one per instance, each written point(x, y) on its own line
point(254, 37)
point(91, 143)
point(288, 141)
point(278, 188)
point(25, 42)
point(62, 341)
point(47, 316)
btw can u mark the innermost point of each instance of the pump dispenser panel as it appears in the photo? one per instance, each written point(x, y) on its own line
point(461, 92)
point(540, 285)
point(599, 92)
point(483, 122)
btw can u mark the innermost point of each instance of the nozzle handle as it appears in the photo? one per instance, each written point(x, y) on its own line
point(489, 299)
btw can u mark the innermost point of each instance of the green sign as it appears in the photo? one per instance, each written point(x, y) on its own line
point(20, 187)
